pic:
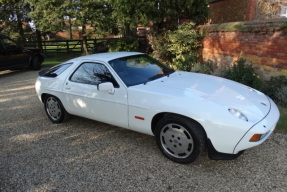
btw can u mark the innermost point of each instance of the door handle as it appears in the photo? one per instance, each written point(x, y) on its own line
point(67, 87)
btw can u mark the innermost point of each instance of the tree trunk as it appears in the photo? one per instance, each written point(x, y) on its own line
point(39, 40)
point(20, 29)
point(70, 28)
point(85, 44)
point(128, 31)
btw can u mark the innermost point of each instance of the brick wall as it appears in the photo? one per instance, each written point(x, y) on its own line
point(263, 43)
point(230, 11)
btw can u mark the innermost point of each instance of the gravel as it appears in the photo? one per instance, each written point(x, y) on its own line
point(84, 155)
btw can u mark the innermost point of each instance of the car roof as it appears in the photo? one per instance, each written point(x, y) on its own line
point(106, 57)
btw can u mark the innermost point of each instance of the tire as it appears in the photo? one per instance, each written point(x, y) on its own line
point(54, 109)
point(36, 63)
point(180, 139)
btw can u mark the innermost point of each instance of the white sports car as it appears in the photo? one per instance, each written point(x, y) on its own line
point(186, 112)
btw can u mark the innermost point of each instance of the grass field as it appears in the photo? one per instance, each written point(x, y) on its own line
point(55, 59)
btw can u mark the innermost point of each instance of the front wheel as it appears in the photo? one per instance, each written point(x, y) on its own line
point(54, 109)
point(180, 139)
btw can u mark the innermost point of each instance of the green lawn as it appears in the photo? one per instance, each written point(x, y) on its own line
point(55, 59)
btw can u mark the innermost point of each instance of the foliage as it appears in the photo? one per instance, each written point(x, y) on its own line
point(282, 123)
point(281, 96)
point(206, 67)
point(54, 16)
point(160, 13)
point(243, 73)
point(124, 44)
point(276, 88)
point(166, 10)
point(128, 14)
point(106, 16)
point(183, 44)
point(160, 49)
point(178, 48)
point(13, 14)
point(47, 14)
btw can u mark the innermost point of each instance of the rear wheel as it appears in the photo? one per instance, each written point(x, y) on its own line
point(36, 63)
point(180, 139)
point(54, 109)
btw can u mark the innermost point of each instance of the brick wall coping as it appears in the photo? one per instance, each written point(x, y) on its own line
point(270, 25)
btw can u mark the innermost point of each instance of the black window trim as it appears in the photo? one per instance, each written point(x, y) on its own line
point(50, 72)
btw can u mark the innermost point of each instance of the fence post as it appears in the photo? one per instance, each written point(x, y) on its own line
point(67, 44)
point(95, 45)
point(44, 47)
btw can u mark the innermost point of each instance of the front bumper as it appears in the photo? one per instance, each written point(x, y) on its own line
point(265, 127)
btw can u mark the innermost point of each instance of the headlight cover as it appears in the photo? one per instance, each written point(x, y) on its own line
point(238, 114)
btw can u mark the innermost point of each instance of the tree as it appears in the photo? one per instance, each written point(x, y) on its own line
point(96, 13)
point(130, 13)
point(14, 17)
point(51, 16)
point(160, 13)
point(48, 15)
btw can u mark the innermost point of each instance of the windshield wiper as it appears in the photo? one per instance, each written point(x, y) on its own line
point(169, 72)
point(156, 76)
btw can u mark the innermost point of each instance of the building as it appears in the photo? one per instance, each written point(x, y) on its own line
point(223, 11)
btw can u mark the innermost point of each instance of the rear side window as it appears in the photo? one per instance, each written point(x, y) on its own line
point(93, 74)
point(55, 71)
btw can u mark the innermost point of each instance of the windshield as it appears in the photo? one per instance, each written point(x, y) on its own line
point(139, 69)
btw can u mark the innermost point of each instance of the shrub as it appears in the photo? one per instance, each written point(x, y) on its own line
point(206, 67)
point(243, 73)
point(124, 44)
point(160, 48)
point(276, 88)
point(177, 48)
point(281, 96)
point(183, 44)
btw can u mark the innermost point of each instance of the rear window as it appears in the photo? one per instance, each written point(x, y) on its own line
point(55, 71)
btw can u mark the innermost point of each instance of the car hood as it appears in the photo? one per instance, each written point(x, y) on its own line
point(207, 88)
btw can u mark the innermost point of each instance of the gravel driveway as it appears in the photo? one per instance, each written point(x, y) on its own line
point(85, 155)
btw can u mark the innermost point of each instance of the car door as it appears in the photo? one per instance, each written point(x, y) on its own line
point(83, 98)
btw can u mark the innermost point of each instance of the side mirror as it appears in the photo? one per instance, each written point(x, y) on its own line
point(107, 86)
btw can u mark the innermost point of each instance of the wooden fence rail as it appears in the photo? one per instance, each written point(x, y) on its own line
point(76, 46)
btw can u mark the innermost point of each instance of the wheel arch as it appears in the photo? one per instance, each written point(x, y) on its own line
point(40, 56)
point(43, 96)
point(161, 115)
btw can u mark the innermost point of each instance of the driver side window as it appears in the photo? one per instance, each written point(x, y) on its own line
point(93, 74)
